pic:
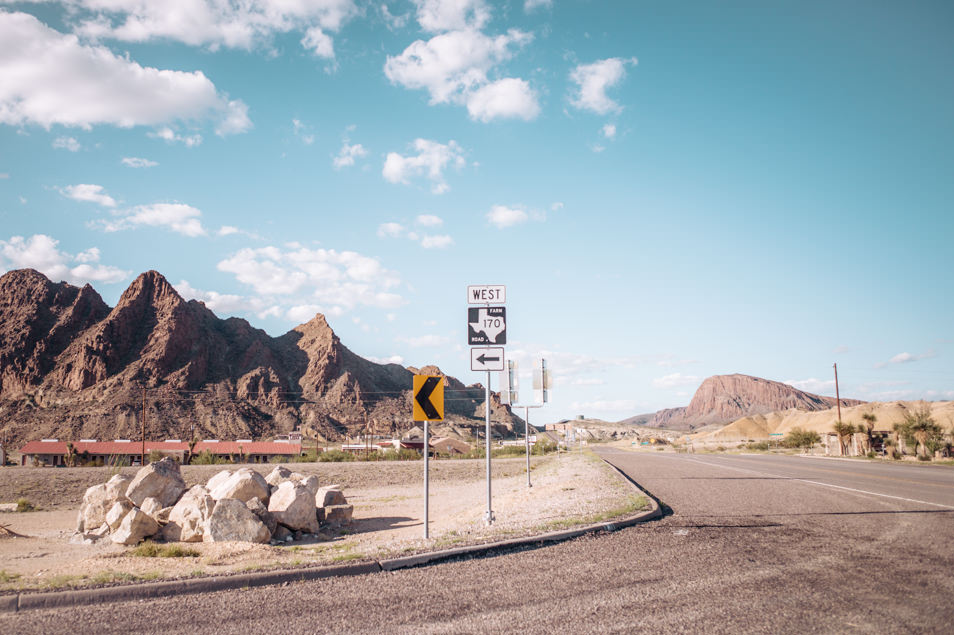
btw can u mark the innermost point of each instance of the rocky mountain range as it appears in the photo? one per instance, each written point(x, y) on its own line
point(71, 367)
point(724, 398)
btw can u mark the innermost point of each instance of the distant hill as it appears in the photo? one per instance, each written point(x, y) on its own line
point(72, 367)
point(762, 426)
point(724, 398)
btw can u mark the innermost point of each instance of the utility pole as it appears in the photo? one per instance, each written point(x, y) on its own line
point(837, 394)
point(142, 457)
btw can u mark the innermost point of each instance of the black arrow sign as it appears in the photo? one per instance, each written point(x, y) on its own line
point(483, 359)
point(423, 397)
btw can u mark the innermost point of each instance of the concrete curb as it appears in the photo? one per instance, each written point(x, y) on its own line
point(150, 590)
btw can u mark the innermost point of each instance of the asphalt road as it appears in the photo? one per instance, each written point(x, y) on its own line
point(750, 544)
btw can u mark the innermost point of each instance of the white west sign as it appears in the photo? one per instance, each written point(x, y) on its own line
point(486, 294)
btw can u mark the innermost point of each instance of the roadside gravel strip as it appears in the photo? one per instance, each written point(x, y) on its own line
point(63, 599)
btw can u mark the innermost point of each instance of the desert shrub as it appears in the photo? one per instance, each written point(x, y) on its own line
point(24, 505)
point(403, 454)
point(6, 576)
point(510, 450)
point(870, 454)
point(155, 456)
point(660, 448)
point(206, 457)
point(541, 448)
point(311, 456)
point(924, 457)
point(761, 446)
point(720, 448)
point(149, 549)
point(335, 456)
point(279, 458)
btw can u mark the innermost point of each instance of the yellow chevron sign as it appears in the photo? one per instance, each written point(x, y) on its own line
point(428, 402)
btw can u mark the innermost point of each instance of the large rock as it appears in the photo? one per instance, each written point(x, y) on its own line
point(151, 506)
point(330, 495)
point(232, 520)
point(293, 505)
point(136, 526)
point(99, 499)
point(243, 485)
point(160, 480)
point(311, 483)
point(116, 513)
point(279, 474)
point(256, 507)
point(187, 519)
point(116, 486)
point(339, 515)
point(218, 479)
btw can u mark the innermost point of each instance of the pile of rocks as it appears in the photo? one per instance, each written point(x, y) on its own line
point(240, 505)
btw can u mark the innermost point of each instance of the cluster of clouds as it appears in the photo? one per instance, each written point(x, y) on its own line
point(41, 252)
point(51, 78)
point(426, 240)
point(430, 161)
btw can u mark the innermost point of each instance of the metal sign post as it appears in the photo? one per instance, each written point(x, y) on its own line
point(489, 514)
point(427, 405)
point(541, 386)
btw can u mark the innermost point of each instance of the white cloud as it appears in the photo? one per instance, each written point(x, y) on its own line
point(556, 207)
point(615, 406)
point(169, 135)
point(136, 162)
point(505, 98)
point(431, 160)
point(40, 252)
point(89, 193)
point(451, 15)
point(319, 43)
point(453, 68)
point(592, 81)
point(51, 78)
point(531, 5)
point(813, 385)
point(60, 143)
point(609, 131)
point(335, 281)
point(589, 381)
point(436, 242)
point(393, 22)
point(502, 216)
point(215, 23)
point(348, 154)
point(390, 230)
point(227, 230)
point(178, 217)
point(907, 358)
point(429, 220)
point(674, 380)
point(393, 359)
point(426, 341)
point(220, 303)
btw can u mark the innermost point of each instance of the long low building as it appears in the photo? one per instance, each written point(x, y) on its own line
point(124, 451)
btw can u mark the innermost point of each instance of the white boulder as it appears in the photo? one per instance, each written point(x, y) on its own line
point(136, 526)
point(188, 516)
point(160, 480)
point(279, 474)
point(330, 495)
point(293, 505)
point(116, 513)
point(243, 485)
point(232, 520)
point(218, 479)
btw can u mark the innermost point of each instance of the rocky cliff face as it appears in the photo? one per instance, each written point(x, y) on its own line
point(71, 367)
point(724, 398)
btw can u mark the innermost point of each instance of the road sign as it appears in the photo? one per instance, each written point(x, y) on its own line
point(509, 384)
point(487, 359)
point(541, 383)
point(428, 403)
point(486, 325)
point(486, 294)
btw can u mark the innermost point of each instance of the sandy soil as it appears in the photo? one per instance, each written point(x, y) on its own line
point(388, 501)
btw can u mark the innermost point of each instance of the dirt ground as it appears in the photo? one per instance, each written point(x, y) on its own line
point(388, 499)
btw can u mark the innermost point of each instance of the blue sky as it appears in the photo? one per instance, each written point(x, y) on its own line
point(668, 190)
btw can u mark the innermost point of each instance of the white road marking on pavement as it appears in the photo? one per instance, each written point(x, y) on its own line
point(802, 480)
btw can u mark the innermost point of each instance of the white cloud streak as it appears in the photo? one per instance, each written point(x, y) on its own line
point(178, 217)
point(89, 193)
point(136, 162)
point(51, 78)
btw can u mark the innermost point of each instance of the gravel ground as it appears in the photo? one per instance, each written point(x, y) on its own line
point(743, 550)
point(388, 518)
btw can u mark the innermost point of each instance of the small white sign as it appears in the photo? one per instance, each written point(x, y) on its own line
point(486, 294)
point(487, 359)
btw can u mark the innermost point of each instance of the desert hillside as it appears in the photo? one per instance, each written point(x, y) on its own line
point(760, 427)
point(71, 367)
